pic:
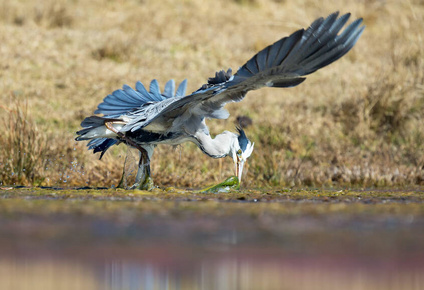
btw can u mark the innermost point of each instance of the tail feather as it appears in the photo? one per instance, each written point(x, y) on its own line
point(93, 121)
point(94, 129)
point(101, 145)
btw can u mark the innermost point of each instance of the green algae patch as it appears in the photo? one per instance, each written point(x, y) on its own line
point(231, 183)
point(225, 191)
point(253, 202)
point(112, 203)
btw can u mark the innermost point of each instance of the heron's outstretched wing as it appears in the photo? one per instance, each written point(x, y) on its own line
point(282, 64)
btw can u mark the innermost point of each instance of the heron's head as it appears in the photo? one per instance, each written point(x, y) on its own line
point(241, 149)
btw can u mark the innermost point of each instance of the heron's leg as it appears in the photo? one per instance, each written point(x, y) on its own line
point(143, 179)
point(127, 168)
point(121, 182)
point(143, 165)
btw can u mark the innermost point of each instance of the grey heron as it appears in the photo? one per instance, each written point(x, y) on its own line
point(144, 119)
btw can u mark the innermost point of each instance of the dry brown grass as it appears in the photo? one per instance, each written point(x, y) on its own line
point(357, 122)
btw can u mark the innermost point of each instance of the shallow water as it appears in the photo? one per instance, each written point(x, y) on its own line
point(304, 239)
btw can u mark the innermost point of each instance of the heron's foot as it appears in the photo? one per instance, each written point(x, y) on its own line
point(147, 184)
point(231, 183)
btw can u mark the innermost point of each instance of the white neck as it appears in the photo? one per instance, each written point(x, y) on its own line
point(218, 147)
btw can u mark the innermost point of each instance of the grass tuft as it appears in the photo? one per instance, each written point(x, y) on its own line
point(23, 147)
point(115, 46)
point(53, 14)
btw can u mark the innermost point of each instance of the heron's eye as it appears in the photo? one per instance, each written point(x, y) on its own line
point(239, 152)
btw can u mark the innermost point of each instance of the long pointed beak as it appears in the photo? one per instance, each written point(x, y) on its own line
point(239, 169)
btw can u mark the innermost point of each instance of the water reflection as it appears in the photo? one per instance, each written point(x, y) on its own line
point(211, 273)
point(79, 243)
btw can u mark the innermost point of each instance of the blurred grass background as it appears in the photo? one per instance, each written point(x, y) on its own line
point(358, 122)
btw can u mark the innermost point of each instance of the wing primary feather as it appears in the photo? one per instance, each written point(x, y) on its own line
point(334, 48)
point(155, 91)
point(181, 91)
point(262, 58)
point(113, 101)
point(296, 51)
point(251, 66)
point(317, 37)
point(273, 51)
point(328, 33)
point(142, 90)
point(286, 47)
point(131, 92)
point(123, 97)
point(169, 89)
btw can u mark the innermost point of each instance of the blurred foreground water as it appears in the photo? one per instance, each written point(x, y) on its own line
point(209, 272)
point(66, 241)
